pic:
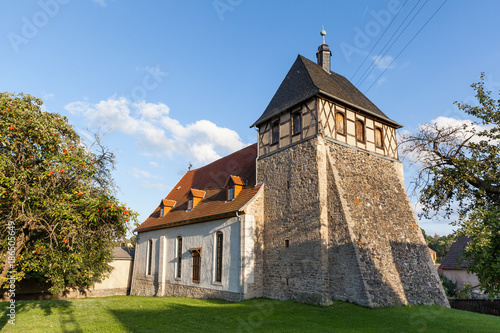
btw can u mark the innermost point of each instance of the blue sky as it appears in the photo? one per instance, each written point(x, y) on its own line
point(179, 82)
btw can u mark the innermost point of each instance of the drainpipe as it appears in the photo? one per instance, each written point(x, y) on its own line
point(241, 258)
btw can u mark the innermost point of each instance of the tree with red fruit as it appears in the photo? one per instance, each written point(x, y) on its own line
point(58, 196)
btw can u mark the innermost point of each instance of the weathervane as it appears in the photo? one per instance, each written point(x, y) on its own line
point(323, 33)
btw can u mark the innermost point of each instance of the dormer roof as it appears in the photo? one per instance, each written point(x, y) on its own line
point(197, 193)
point(237, 180)
point(306, 79)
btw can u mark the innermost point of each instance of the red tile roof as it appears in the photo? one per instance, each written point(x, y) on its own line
point(211, 179)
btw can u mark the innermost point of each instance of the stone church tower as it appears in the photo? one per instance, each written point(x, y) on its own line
point(337, 219)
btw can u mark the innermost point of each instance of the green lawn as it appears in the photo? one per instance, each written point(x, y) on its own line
point(170, 314)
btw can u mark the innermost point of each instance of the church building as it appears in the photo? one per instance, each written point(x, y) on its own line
point(317, 205)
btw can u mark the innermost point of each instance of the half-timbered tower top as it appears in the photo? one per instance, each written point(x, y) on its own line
point(313, 100)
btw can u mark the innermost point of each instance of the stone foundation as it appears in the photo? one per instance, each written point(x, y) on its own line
point(337, 220)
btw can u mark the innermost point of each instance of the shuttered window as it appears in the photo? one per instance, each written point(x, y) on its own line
point(149, 257)
point(218, 257)
point(360, 130)
point(340, 123)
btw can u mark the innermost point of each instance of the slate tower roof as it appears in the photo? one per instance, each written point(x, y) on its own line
point(306, 79)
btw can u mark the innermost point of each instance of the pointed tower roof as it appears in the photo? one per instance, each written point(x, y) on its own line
point(306, 79)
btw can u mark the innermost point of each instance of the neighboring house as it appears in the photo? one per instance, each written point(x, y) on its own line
point(117, 283)
point(454, 266)
point(433, 255)
point(318, 205)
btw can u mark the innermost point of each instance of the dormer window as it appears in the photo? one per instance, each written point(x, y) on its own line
point(165, 206)
point(234, 185)
point(194, 198)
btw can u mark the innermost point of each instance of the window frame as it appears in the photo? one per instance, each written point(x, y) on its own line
point(381, 137)
point(162, 211)
point(344, 124)
point(178, 262)
point(219, 252)
point(149, 258)
point(196, 266)
point(190, 204)
point(361, 123)
point(230, 193)
point(296, 115)
point(275, 137)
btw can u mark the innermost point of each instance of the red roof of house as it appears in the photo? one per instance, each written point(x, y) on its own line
point(210, 179)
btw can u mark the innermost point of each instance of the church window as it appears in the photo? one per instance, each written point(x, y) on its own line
point(360, 131)
point(230, 194)
point(196, 265)
point(218, 256)
point(149, 257)
point(296, 123)
point(275, 129)
point(378, 138)
point(179, 257)
point(340, 123)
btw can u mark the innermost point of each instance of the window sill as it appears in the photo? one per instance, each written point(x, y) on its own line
point(298, 133)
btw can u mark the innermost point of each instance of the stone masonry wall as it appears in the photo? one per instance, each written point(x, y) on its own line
point(256, 208)
point(292, 217)
point(393, 260)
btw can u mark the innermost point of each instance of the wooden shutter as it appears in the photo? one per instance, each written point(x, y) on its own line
point(339, 123)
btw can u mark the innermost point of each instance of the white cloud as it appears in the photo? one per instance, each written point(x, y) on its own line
point(154, 186)
point(154, 164)
point(156, 132)
point(102, 3)
point(385, 62)
point(136, 173)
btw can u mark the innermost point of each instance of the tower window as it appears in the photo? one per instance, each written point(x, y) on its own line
point(340, 123)
point(378, 138)
point(218, 256)
point(275, 129)
point(360, 131)
point(196, 266)
point(296, 123)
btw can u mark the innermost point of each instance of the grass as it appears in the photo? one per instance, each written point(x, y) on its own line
point(171, 314)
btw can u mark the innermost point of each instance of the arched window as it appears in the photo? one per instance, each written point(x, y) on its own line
point(378, 138)
point(360, 131)
point(149, 257)
point(340, 123)
point(179, 257)
point(218, 256)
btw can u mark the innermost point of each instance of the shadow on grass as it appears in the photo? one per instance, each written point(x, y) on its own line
point(63, 308)
point(183, 315)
